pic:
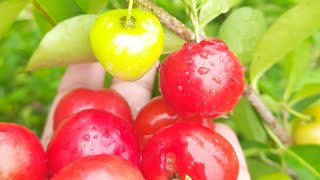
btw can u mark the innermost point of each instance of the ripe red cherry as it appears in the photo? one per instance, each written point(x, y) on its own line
point(157, 114)
point(99, 167)
point(21, 154)
point(92, 132)
point(80, 99)
point(203, 78)
point(189, 149)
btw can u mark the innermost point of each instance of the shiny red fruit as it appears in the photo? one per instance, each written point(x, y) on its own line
point(99, 167)
point(21, 154)
point(157, 114)
point(189, 150)
point(92, 132)
point(203, 78)
point(80, 99)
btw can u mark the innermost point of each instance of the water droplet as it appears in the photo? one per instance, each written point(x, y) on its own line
point(204, 54)
point(216, 79)
point(187, 73)
point(180, 88)
point(203, 70)
point(95, 136)
point(205, 103)
point(86, 137)
point(93, 128)
point(190, 62)
point(212, 92)
point(212, 63)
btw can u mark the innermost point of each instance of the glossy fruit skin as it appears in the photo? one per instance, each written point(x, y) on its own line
point(21, 154)
point(127, 52)
point(157, 114)
point(100, 167)
point(203, 78)
point(80, 99)
point(304, 132)
point(91, 132)
point(189, 149)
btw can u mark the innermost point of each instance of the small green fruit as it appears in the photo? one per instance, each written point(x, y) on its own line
point(308, 132)
point(127, 50)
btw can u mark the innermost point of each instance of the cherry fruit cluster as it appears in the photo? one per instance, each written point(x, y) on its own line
point(172, 137)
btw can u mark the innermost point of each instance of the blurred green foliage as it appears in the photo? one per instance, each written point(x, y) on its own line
point(24, 97)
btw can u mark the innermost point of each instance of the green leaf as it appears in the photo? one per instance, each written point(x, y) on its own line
point(91, 6)
point(258, 168)
point(43, 24)
point(284, 35)
point(67, 43)
point(247, 122)
point(59, 10)
point(305, 92)
point(172, 41)
point(213, 8)
point(275, 176)
point(296, 64)
point(241, 31)
point(304, 160)
point(9, 9)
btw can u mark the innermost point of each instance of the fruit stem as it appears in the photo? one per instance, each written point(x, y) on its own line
point(128, 19)
point(169, 21)
point(194, 20)
point(297, 114)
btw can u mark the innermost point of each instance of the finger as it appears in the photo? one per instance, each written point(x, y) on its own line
point(228, 133)
point(76, 76)
point(137, 93)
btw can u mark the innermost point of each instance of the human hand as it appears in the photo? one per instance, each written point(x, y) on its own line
point(137, 94)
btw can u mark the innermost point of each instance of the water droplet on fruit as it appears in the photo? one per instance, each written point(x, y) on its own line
point(212, 92)
point(190, 62)
point(212, 63)
point(170, 162)
point(203, 70)
point(216, 79)
point(187, 73)
point(95, 136)
point(93, 128)
point(180, 88)
point(205, 103)
point(86, 137)
point(204, 54)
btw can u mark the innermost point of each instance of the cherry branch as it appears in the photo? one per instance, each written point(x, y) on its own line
point(184, 32)
point(169, 21)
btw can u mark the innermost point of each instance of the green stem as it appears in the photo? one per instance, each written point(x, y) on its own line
point(297, 114)
point(128, 19)
point(195, 21)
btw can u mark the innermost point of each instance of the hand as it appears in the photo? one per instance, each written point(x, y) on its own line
point(137, 93)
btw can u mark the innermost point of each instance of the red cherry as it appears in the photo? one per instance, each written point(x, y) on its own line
point(21, 154)
point(189, 149)
point(157, 114)
point(92, 132)
point(203, 78)
point(80, 99)
point(99, 167)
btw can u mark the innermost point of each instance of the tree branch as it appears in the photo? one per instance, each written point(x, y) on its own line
point(183, 31)
point(169, 21)
point(267, 116)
